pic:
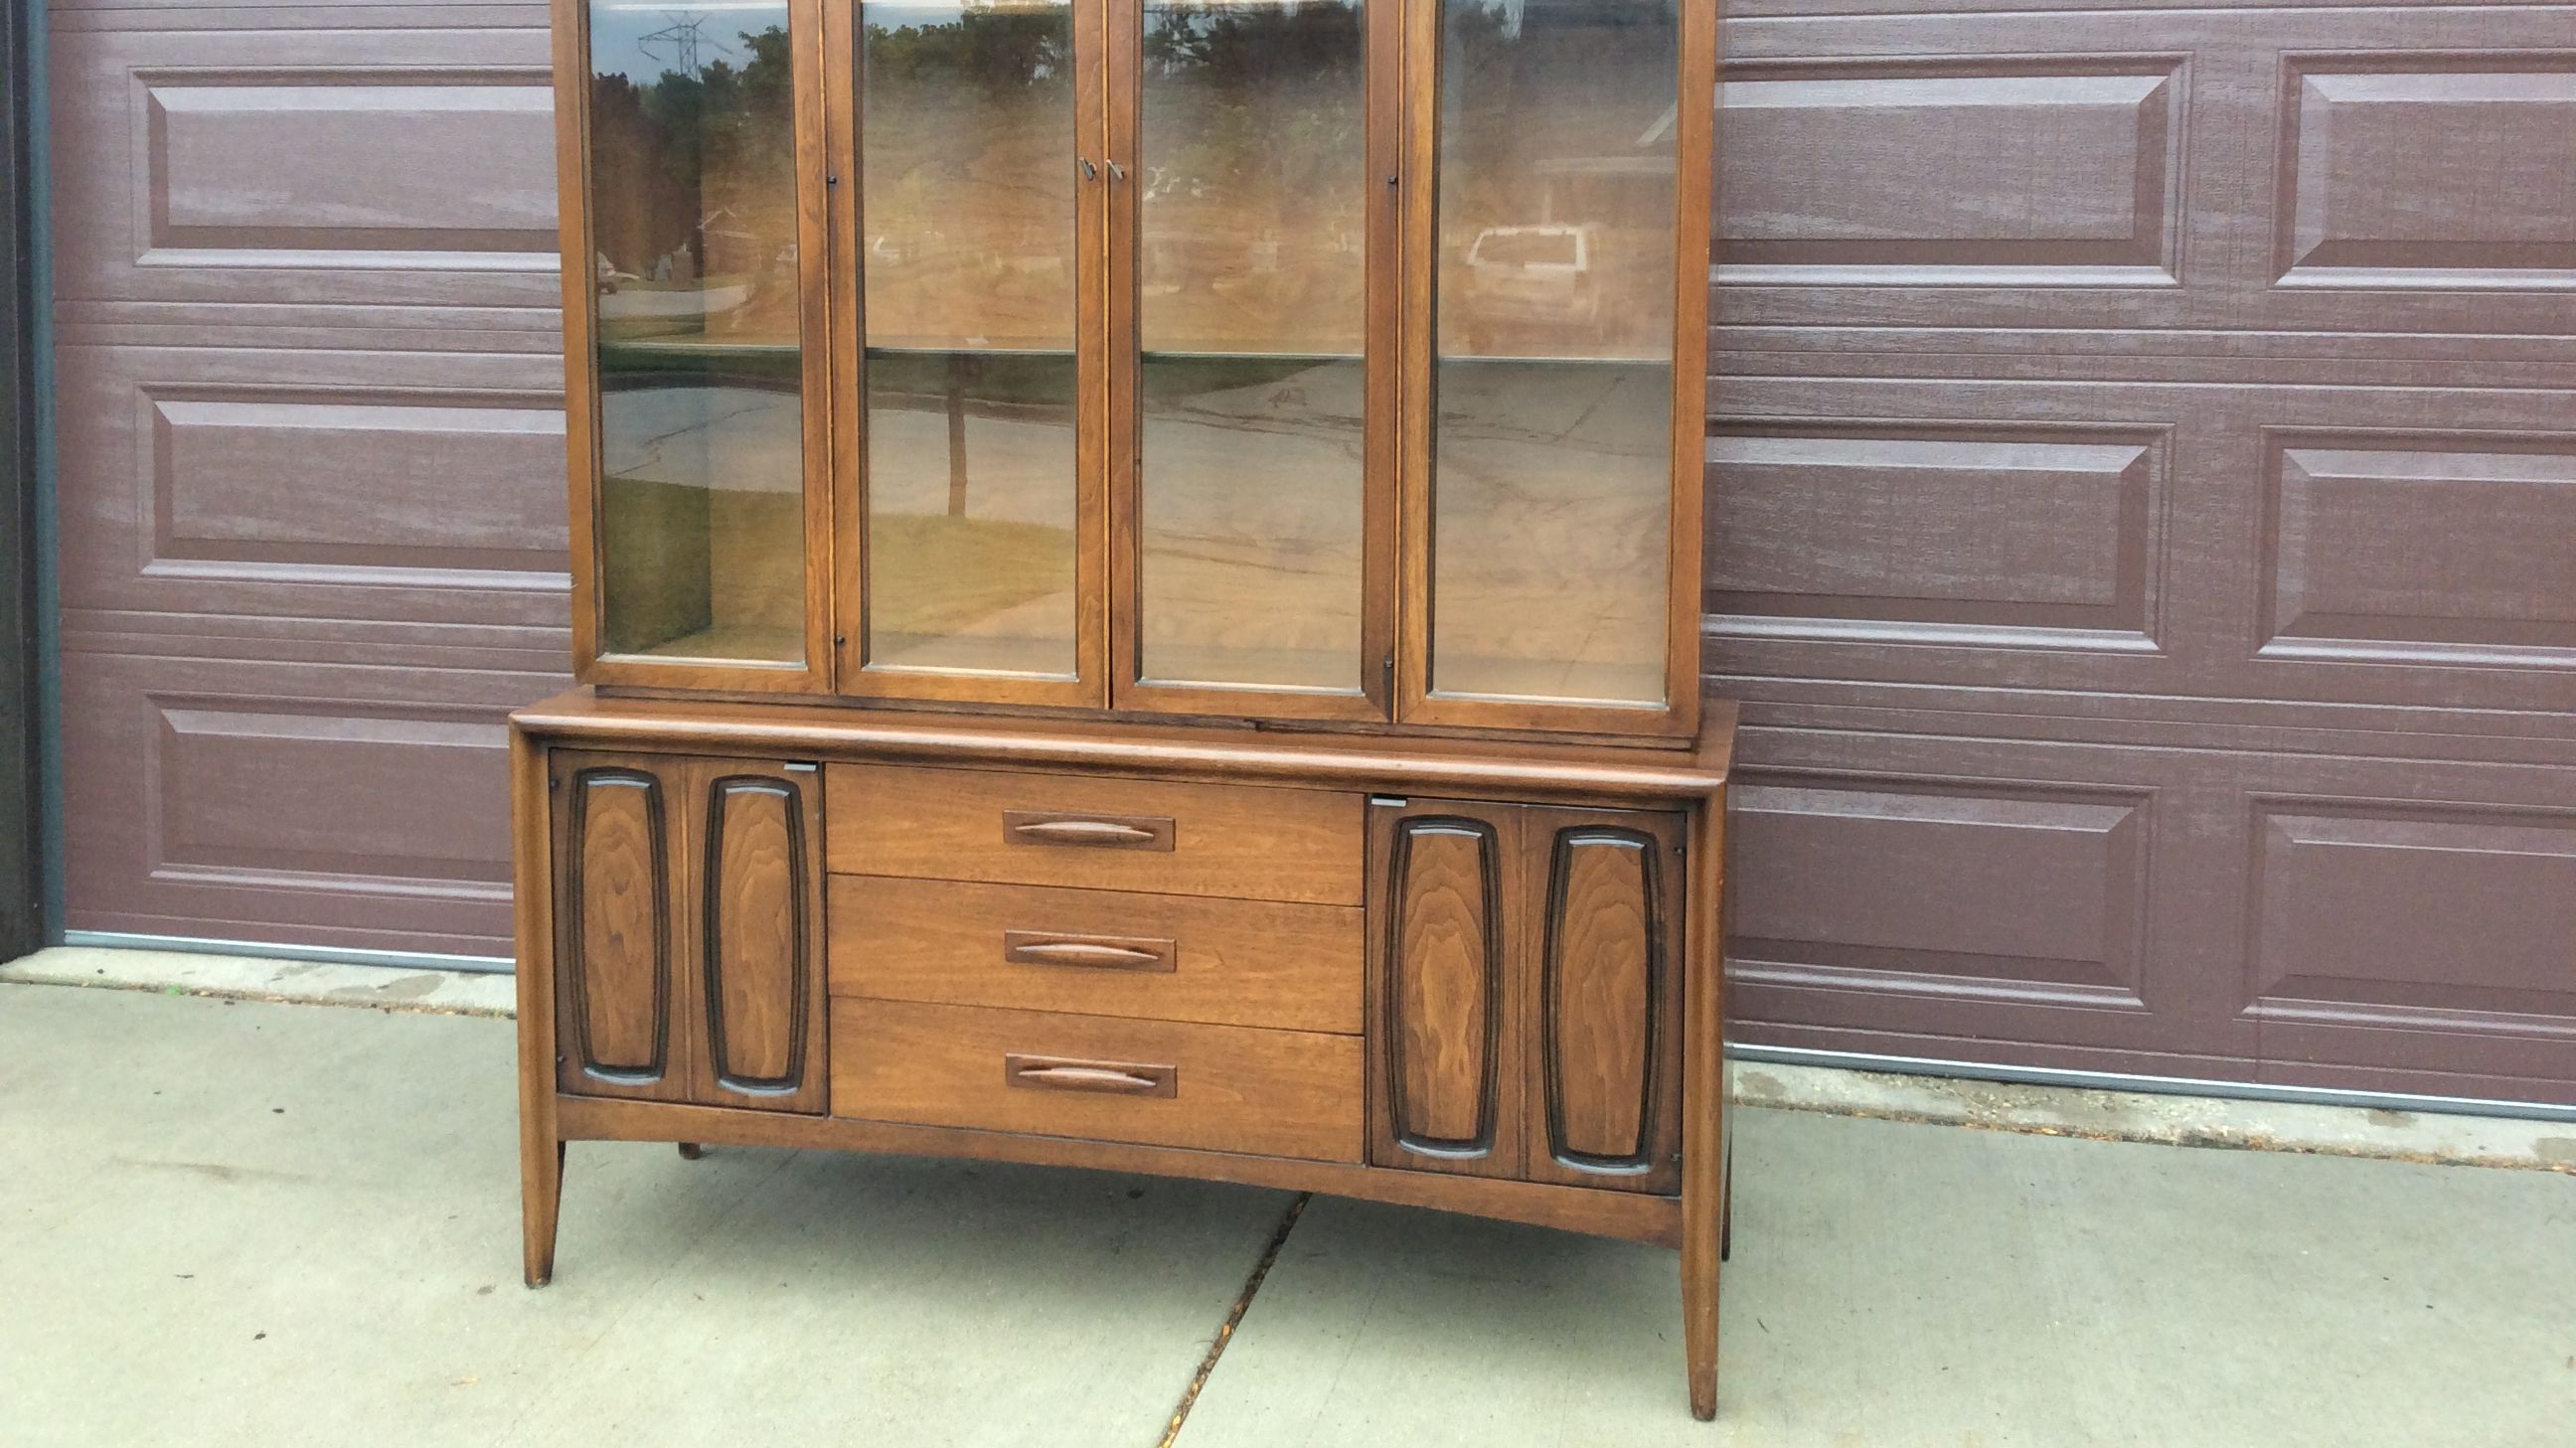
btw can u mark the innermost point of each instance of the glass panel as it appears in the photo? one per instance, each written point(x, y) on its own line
point(1551, 453)
point(701, 428)
point(1251, 244)
point(967, 253)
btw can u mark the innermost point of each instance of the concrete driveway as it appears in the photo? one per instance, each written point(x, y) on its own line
point(239, 1223)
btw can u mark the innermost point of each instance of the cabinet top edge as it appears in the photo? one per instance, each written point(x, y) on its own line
point(1691, 769)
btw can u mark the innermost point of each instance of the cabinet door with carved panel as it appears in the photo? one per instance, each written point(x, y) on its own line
point(1445, 1007)
point(757, 935)
point(688, 956)
point(1602, 968)
point(621, 1005)
point(1525, 992)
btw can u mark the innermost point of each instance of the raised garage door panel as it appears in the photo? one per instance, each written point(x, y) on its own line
point(217, 156)
point(250, 799)
point(361, 493)
point(2146, 540)
point(310, 483)
point(2126, 166)
point(2304, 543)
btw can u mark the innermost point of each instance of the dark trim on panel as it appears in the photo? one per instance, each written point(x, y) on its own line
point(23, 917)
point(800, 935)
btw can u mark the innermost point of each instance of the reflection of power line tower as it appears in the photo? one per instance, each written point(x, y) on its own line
point(679, 43)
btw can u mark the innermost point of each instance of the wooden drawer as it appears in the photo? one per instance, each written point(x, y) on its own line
point(1163, 1083)
point(1095, 832)
point(1098, 952)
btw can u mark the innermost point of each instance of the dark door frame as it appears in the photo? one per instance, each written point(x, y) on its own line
point(22, 913)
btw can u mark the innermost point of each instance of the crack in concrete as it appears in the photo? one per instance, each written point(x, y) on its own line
point(1234, 1319)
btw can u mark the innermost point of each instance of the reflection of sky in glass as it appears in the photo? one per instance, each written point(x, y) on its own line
point(618, 45)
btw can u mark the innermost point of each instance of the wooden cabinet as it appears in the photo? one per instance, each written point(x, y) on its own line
point(688, 901)
point(1136, 588)
point(1525, 971)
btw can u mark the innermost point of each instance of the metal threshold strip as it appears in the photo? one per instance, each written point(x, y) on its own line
point(326, 954)
point(2153, 1085)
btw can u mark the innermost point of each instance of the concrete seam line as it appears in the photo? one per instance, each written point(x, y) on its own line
point(1233, 1319)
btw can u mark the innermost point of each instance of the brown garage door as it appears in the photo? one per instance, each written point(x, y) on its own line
point(311, 442)
point(2144, 529)
point(2144, 521)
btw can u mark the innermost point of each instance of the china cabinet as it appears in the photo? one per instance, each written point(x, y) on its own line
point(1135, 581)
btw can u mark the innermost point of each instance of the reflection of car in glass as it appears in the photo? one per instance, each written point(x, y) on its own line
point(1534, 274)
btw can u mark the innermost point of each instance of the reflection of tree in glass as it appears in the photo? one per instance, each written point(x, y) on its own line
point(693, 191)
point(1000, 48)
point(967, 177)
point(1254, 182)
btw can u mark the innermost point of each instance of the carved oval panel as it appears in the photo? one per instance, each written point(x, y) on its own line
point(1601, 977)
point(757, 940)
point(619, 902)
point(1444, 952)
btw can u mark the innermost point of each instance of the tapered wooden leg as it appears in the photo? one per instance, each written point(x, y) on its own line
point(1703, 1108)
point(691, 1151)
point(1703, 1247)
point(541, 1166)
point(541, 1152)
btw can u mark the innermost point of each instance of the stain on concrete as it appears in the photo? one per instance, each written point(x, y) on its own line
point(400, 988)
point(2555, 1148)
point(215, 1170)
point(2380, 1116)
point(1759, 1086)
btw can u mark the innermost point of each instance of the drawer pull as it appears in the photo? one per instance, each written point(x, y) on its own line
point(1108, 832)
point(1117, 1078)
point(1090, 952)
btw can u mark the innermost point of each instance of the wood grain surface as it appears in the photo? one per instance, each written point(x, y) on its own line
point(1223, 962)
point(1272, 1093)
point(1261, 844)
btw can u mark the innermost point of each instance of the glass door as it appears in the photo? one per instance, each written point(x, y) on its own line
point(1555, 486)
point(1252, 254)
point(700, 418)
point(973, 565)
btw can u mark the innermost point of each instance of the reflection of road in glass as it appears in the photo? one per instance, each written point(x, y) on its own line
point(701, 513)
point(970, 561)
point(1252, 521)
point(1550, 535)
point(736, 439)
point(1550, 529)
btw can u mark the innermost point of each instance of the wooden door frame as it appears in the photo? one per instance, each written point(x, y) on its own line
point(1370, 697)
point(23, 681)
point(1695, 120)
point(592, 664)
point(842, 124)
